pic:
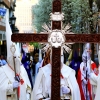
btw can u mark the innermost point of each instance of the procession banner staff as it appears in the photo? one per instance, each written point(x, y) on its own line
point(13, 49)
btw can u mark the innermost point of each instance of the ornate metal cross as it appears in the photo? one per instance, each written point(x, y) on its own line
point(56, 39)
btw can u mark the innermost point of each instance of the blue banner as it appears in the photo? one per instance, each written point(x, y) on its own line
point(2, 12)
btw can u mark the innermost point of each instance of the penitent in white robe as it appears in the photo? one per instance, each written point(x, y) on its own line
point(6, 83)
point(42, 85)
point(95, 80)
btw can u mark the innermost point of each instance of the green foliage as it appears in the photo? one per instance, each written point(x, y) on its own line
point(41, 13)
point(80, 16)
point(77, 13)
point(35, 44)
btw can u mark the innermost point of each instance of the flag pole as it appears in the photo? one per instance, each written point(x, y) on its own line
point(86, 78)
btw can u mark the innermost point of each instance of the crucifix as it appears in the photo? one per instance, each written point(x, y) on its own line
point(56, 38)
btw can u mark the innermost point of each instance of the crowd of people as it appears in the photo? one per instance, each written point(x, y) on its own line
point(30, 76)
point(81, 71)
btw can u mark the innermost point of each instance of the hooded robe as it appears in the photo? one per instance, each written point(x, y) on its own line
point(42, 87)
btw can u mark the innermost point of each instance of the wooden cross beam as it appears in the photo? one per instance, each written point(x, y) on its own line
point(70, 38)
point(56, 52)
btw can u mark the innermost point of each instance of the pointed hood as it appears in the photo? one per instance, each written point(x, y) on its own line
point(84, 57)
point(8, 39)
point(88, 50)
point(25, 47)
point(88, 46)
point(75, 56)
point(9, 53)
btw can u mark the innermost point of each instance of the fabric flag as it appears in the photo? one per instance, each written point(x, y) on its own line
point(69, 58)
point(75, 63)
point(26, 62)
point(2, 12)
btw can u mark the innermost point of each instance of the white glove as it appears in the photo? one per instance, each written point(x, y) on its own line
point(15, 84)
point(65, 90)
point(85, 81)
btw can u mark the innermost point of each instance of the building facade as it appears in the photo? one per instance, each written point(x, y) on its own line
point(9, 5)
point(6, 5)
point(23, 12)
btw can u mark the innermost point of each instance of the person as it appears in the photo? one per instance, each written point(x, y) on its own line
point(3, 60)
point(13, 75)
point(69, 87)
point(95, 79)
point(75, 63)
point(8, 83)
point(83, 82)
point(26, 62)
point(83, 74)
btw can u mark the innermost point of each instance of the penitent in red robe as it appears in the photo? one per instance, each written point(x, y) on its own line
point(79, 80)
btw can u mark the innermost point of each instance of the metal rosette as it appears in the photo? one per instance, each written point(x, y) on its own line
point(56, 38)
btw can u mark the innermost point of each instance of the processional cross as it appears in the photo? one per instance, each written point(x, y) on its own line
point(56, 38)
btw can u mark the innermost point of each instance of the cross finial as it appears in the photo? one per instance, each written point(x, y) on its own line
point(12, 48)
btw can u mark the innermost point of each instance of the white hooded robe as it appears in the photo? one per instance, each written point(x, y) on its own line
point(6, 83)
point(44, 76)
